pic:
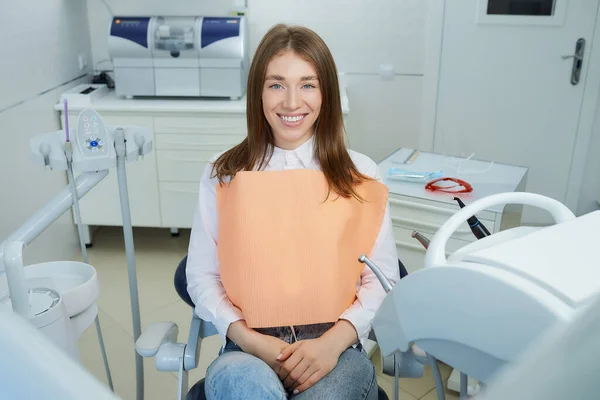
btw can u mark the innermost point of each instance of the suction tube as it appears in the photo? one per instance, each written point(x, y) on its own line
point(129, 252)
point(84, 256)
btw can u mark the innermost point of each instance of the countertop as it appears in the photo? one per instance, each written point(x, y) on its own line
point(485, 180)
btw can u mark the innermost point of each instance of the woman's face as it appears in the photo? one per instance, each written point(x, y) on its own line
point(291, 99)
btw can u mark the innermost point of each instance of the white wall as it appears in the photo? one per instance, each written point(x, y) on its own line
point(362, 35)
point(590, 191)
point(384, 115)
point(40, 60)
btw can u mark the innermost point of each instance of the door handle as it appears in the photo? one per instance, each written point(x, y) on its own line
point(577, 60)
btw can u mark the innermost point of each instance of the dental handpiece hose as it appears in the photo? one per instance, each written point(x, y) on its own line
point(478, 229)
point(84, 255)
point(129, 252)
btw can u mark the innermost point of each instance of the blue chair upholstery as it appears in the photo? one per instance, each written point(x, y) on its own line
point(180, 283)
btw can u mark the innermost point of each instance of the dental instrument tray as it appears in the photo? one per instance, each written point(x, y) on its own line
point(84, 95)
point(412, 176)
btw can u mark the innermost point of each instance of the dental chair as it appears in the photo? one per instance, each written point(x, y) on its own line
point(159, 340)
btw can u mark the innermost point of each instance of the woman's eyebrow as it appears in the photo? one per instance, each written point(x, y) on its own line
point(281, 78)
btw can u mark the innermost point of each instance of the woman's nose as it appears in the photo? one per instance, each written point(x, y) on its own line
point(292, 100)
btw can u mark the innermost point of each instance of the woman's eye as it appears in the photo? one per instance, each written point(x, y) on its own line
point(308, 86)
point(276, 86)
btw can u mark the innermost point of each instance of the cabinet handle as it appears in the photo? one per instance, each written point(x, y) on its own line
point(202, 127)
point(186, 191)
point(187, 144)
point(425, 207)
point(192, 160)
point(403, 222)
point(199, 146)
point(416, 247)
point(410, 246)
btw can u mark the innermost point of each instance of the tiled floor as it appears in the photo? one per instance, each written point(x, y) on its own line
point(157, 255)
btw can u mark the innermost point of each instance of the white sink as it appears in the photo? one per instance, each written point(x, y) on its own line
point(76, 282)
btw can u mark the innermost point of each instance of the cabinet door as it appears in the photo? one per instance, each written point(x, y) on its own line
point(178, 201)
point(412, 253)
point(101, 206)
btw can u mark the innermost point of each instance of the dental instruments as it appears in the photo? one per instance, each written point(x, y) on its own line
point(476, 226)
point(409, 159)
point(422, 239)
point(411, 176)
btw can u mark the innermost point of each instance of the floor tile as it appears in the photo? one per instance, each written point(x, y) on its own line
point(387, 384)
point(157, 256)
point(450, 395)
point(121, 358)
point(416, 387)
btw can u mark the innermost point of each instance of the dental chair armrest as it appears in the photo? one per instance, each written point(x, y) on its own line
point(194, 343)
point(154, 336)
point(199, 329)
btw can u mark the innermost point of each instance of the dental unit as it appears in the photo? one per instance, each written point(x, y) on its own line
point(59, 298)
point(504, 291)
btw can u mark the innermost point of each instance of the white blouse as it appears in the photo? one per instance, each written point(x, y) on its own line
point(203, 277)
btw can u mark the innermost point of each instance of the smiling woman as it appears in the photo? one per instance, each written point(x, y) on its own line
point(281, 220)
point(299, 100)
point(291, 100)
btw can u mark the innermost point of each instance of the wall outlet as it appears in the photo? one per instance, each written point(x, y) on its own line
point(82, 62)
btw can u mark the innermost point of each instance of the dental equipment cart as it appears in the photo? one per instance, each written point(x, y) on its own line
point(59, 298)
point(414, 208)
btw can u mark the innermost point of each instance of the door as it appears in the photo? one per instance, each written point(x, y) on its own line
point(510, 90)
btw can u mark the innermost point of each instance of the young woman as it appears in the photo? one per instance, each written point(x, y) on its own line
point(281, 221)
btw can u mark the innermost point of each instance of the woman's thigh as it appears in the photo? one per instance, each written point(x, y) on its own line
point(353, 378)
point(236, 375)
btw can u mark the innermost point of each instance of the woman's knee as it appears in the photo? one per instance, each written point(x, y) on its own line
point(237, 375)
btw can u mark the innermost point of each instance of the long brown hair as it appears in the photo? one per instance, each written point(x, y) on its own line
point(255, 151)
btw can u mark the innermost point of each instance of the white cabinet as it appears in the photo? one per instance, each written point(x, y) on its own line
point(412, 208)
point(178, 202)
point(184, 146)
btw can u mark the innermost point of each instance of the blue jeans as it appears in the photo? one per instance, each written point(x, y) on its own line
point(236, 375)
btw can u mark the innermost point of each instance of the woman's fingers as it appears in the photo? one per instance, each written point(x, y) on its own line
point(314, 378)
point(291, 381)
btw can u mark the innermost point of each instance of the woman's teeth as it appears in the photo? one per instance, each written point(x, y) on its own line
point(292, 119)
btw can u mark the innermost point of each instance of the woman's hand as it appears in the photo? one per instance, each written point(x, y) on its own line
point(305, 362)
point(267, 348)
